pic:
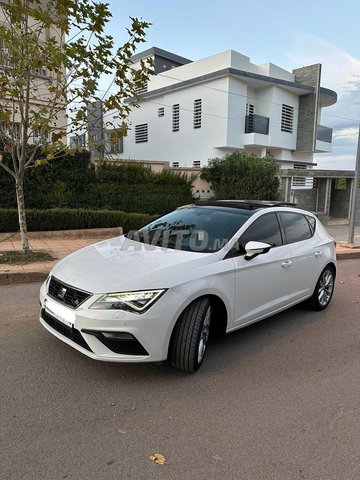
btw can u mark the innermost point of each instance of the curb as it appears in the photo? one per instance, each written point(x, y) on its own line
point(348, 255)
point(11, 278)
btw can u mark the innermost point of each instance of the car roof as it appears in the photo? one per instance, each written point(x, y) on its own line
point(244, 204)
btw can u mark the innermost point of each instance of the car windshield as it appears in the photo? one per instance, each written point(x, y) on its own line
point(195, 228)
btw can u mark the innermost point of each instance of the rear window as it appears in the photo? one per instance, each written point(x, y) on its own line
point(296, 227)
point(194, 228)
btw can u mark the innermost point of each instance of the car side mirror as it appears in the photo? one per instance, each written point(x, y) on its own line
point(253, 249)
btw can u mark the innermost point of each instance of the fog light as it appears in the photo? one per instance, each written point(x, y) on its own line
point(118, 335)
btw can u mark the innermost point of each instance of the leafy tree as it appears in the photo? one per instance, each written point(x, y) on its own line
point(242, 175)
point(54, 53)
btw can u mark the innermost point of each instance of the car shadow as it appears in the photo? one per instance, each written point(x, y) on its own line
point(223, 352)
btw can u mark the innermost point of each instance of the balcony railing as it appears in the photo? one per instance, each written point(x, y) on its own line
point(256, 124)
point(324, 134)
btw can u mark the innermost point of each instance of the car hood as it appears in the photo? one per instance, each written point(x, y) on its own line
point(121, 264)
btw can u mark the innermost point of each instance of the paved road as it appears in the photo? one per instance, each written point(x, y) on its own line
point(278, 400)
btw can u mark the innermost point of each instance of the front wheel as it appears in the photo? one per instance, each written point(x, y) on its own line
point(190, 336)
point(324, 290)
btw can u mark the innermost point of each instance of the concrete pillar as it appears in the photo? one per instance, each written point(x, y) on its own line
point(327, 196)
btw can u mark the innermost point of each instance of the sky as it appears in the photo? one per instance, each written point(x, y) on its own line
point(284, 32)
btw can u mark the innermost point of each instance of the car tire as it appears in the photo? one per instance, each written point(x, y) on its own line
point(324, 290)
point(190, 336)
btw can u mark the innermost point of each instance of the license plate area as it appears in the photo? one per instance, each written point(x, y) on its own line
point(60, 313)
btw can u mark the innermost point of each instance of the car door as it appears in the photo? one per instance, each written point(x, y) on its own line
point(261, 283)
point(306, 254)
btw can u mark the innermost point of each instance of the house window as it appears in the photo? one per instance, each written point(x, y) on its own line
point(250, 109)
point(249, 118)
point(287, 118)
point(175, 164)
point(4, 54)
point(197, 113)
point(161, 112)
point(141, 88)
point(114, 141)
point(302, 182)
point(11, 129)
point(141, 133)
point(40, 134)
point(176, 118)
point(196, 164)
point(77, 141)
point(40, 72)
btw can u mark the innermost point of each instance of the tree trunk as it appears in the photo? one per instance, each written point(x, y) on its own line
point(22, 216)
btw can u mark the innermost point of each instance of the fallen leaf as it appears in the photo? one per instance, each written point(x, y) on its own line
point(158, 458)
point(217, 457)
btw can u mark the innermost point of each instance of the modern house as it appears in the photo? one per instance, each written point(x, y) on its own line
point(193, 111)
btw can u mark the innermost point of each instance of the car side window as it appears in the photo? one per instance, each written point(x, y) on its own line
point(264, 229)
point(296, 227)
point(312, 223)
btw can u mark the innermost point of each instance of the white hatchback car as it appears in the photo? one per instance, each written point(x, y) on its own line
point(157, 293)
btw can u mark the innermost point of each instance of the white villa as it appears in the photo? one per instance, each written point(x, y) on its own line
point(193, 111)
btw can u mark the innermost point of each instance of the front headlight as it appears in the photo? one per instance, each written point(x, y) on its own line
point(136, 302)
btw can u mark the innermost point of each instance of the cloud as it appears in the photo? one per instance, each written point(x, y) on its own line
point(351, 133)
point(337, 162)
point(340, 70)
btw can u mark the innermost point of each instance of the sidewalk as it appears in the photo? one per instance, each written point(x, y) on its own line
point(60, 247)
point(58, 244)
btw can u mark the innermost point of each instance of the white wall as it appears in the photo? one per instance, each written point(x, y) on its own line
point(204, 66)
point(223, 114)
point(188, 144)
point(279, 96)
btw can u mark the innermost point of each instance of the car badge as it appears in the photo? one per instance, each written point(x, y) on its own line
point(62, 293)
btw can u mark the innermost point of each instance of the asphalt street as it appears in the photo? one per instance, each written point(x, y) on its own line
point(277, 400)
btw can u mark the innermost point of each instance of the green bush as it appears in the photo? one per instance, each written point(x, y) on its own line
point(149, 198)
point(73, 182)
point(241, 175)
point(68, 219)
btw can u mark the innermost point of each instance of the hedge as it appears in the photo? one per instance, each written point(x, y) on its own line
point(68, 219)
point(152, 199)
point(73, 182)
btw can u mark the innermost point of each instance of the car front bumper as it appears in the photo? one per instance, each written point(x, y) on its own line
point(138, 337)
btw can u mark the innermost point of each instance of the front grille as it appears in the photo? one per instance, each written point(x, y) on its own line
point(69, 332)
point(63, 293)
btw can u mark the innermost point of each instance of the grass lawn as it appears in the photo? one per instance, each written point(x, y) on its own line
point(18, 258)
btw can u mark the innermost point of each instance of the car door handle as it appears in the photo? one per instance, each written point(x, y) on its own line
point(286, 263)
point(318, 254)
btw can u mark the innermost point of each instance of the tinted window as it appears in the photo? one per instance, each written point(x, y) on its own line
point(312, 223)
point(194, 228)
point(296, 227)
point(265, 229)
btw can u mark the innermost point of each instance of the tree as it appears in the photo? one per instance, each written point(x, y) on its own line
point(242, 175)
point(53, 54)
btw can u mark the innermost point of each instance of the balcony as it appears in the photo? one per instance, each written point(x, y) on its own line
point(324, 134)
point(256, 124)
point(323, 139)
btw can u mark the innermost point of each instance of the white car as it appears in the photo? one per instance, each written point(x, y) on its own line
point(157, 293)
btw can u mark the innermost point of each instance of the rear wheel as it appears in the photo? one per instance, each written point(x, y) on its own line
point(324, 289)
point(190, 336)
